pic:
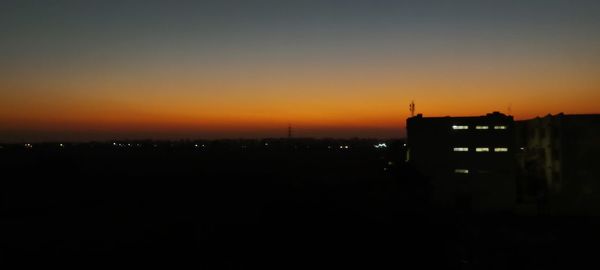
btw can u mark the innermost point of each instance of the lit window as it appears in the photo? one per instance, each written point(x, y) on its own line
point(461, 149)
point(460, 127)
point(482, 127)
point(461, 171)
point(499, 127)
point(500, 149)
point(482, 149)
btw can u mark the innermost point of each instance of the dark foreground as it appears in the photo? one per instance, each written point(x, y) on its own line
point(263, 204)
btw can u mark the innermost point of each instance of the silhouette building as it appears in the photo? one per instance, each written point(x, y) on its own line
point(469, 161)
point(558, 162)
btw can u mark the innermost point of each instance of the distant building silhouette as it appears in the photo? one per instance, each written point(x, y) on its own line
point(469, 160)
point(559, 162)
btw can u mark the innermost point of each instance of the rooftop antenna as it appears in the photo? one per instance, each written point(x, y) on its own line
point(412, 108)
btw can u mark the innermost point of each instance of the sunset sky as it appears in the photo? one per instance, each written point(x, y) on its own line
point(88, 70)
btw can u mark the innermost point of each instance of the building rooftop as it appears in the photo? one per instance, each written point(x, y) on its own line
point(489, 115)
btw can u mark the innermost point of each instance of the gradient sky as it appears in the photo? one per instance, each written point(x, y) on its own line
point(86, 70)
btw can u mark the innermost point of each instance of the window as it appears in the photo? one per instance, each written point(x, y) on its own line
point(464, 171)
point(461, 149)
point(500, 149)
point(482, 127)
point(460, 127)
point(482, 149)
point(499, 127)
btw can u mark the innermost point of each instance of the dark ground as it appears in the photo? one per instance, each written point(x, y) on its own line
point(244, 204)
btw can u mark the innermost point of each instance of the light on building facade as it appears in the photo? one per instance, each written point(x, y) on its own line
point(459, 127)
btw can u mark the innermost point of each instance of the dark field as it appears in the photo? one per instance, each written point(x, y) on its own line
point(257, 204)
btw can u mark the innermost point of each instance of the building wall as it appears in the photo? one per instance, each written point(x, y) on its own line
point(444, 149)
point(559, 162)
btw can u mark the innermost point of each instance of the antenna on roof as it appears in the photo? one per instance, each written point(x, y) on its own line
point(412, 108)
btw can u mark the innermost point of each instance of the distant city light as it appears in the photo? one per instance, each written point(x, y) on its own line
point(482, 127)
point(346, 147)
point(499, 127)
point(381, 145)
point(266, 144)
point(500, 149)
point(463, 171)
point(61, 145)
point(404, 145)
point(461, 149)
point(482, 149)
point(195, 145)
point(460, 127)
point(28, 145)
point(115, 143)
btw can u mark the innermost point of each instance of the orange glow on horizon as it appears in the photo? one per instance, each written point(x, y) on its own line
point(347, 102)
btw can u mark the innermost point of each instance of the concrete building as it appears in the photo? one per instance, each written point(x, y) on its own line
point(559, 163)
point(469, 161)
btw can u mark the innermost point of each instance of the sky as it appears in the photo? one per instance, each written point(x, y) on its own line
point(100, 70)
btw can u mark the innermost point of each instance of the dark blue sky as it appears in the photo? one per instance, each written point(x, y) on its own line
point(221, 68)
